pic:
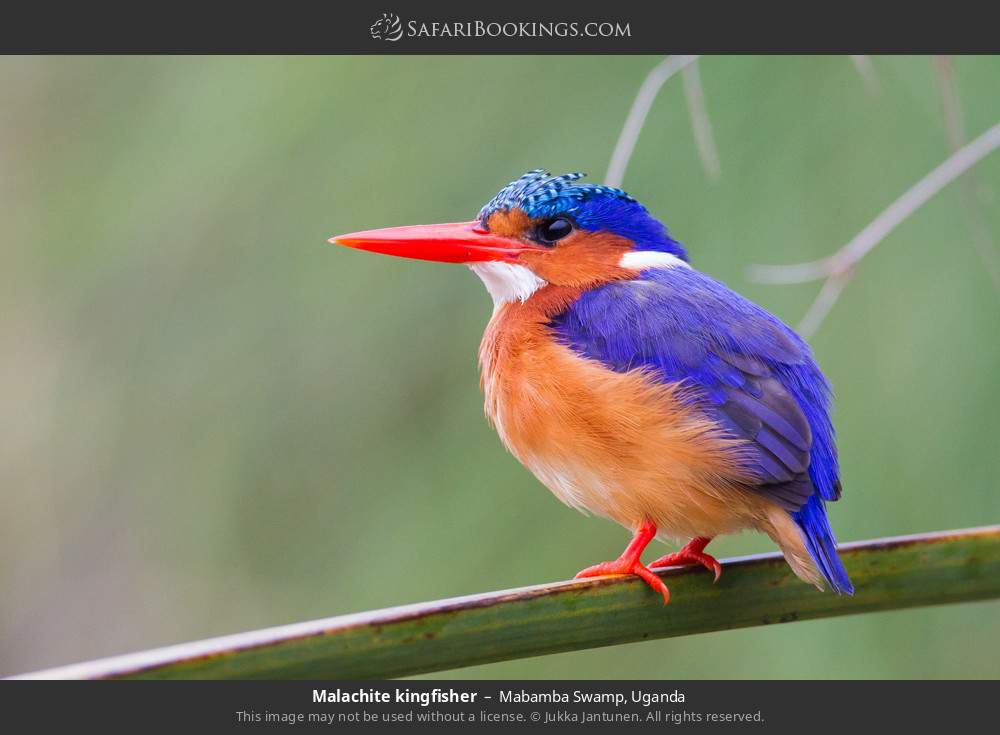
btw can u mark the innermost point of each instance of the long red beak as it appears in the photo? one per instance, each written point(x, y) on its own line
point(457, 242)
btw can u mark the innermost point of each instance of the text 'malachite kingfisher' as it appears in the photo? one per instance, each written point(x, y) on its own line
point(635, 387)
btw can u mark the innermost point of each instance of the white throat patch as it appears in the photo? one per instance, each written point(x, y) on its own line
point(507, 282)
point(642, 259)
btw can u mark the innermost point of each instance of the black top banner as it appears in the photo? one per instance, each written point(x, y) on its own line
point(435, 27)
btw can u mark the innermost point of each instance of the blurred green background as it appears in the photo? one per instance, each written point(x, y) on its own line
point(213, 421)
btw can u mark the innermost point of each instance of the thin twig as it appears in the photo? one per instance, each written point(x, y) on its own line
point(637, 115)
point(700, 122)
point(824, 302)
point(864, 66)
point(944, 73)
point(848, 256)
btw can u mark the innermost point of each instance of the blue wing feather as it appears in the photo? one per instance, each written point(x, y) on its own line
point(755, 376)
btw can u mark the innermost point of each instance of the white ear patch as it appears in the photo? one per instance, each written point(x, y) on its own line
point(640, 260)
point(507, 282)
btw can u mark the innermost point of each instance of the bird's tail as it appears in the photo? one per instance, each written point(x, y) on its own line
point(821, 544)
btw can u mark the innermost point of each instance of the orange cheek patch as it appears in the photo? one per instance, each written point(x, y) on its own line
point(583, 259)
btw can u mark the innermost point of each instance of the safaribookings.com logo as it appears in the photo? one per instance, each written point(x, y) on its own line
point(390, 28)
point(387, 28)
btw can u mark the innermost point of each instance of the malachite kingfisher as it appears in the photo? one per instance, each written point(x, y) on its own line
point(635, 387)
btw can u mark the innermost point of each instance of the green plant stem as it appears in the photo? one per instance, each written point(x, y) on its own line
point(889, 574)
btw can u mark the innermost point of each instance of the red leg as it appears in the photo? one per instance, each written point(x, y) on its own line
point(629, 563)
point(692, 553)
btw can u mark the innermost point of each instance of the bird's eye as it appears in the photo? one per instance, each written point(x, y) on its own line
point(554, 229)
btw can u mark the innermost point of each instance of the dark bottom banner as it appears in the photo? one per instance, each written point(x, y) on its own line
point(773, 706)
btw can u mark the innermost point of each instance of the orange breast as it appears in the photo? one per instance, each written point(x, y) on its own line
point(619, 445)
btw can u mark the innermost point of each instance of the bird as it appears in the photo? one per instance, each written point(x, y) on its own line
point(637, 388)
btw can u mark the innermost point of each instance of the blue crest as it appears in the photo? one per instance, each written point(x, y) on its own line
point(594, 207)
point(540, 194)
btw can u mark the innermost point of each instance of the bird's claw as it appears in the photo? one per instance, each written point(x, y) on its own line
point(627, 566)
point(690, 556)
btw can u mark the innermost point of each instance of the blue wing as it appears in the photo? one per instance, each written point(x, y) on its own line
point(755, 376)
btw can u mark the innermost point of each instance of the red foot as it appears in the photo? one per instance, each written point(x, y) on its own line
point(692, 553)
point(623, 566)
point(628, 563)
